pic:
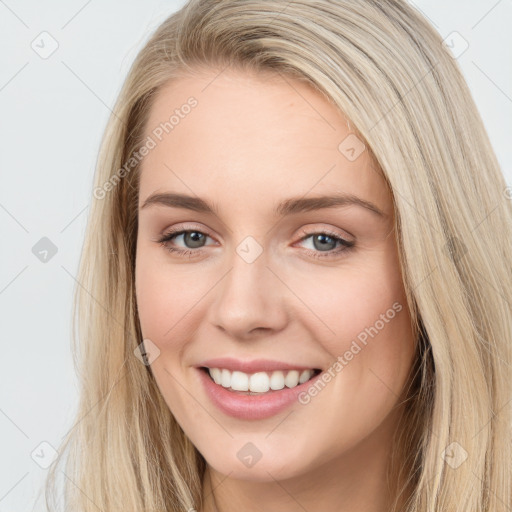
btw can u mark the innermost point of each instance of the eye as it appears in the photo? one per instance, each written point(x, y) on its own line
point(193, 239)
point(328, 243)
point(325, 244)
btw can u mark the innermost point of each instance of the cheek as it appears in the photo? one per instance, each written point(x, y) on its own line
point(168, 302)
point(362, 321)
point(342, 303)
point(165, 302)
point(359, 313)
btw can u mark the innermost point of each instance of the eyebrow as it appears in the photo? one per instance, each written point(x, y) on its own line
point(287, 207)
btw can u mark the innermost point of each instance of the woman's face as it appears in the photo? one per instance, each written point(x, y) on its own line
point(288, 263)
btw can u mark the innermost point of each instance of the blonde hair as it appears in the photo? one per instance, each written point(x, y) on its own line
point(385, 68)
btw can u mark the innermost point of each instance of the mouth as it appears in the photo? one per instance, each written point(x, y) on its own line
point(259, 383)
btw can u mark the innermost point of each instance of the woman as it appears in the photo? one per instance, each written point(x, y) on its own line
point(295, 287)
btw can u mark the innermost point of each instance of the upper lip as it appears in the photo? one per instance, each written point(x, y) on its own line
point(252, 366)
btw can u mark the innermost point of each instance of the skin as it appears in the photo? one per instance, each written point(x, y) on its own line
point(251, 142)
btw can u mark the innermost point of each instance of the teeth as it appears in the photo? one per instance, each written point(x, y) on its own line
point(216, 375)
point(239, 381)
point(225, 378)
point(305, 376)
point(292, 379)
point(259, 382)
point(277, 380)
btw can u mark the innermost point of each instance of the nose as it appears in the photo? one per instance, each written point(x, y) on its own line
point(249, 299)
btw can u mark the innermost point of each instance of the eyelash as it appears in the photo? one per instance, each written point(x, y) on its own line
point(346, 245)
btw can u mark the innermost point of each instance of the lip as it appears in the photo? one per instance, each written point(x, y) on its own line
point(252, 407)
point(252, 366)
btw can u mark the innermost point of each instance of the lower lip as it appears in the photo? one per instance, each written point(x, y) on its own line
point(252, 407)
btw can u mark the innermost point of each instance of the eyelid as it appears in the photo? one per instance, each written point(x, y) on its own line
point(344, 235)
point(179, 228)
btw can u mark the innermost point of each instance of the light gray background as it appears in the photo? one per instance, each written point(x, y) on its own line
point(53, 112)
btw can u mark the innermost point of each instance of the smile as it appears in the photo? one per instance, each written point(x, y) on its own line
point(245, 404)
point(260, 382)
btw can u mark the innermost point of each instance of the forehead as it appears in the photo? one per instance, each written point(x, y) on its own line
point(259, 137)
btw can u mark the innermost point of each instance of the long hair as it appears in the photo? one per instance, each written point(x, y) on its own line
point(386, 69)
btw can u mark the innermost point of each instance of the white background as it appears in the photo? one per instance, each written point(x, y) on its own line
point(53, 112)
